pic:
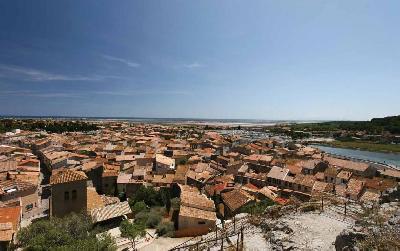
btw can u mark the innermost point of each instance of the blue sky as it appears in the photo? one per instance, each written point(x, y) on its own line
point(200, 59)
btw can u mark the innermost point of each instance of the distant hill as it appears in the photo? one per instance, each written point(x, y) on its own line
point(374, 126)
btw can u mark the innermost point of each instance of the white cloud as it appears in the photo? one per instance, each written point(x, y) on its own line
point(193, 65)
point(27, 74)
point(142, 92)
point(121, 60)
point(29, 93)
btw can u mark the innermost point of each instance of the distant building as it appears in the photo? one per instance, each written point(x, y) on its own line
point(164, 164)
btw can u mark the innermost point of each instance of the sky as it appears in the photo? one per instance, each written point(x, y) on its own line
point(305, 60)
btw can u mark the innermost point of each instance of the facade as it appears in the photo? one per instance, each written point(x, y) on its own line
point(68, 192)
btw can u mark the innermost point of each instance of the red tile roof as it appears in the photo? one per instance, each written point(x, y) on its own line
point(66, 176)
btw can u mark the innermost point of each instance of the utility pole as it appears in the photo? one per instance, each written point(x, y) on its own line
point(237, 242)
point(322, 201)
point(241, 237)
point(216, 236)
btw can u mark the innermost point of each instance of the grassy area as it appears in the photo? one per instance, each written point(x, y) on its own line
point(368, 146)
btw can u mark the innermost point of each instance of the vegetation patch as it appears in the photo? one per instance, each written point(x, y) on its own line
point(72, 232)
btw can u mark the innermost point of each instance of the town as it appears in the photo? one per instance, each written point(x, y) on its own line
point(155, 186)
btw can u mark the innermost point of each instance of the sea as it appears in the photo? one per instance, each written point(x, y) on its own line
point(205, 121)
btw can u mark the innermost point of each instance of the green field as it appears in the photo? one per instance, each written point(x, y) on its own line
point(369, 146)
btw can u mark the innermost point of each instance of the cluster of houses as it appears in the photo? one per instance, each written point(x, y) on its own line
point(95, 172)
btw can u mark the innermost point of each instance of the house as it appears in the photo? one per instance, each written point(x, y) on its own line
point(196, 214)
point(122, 181)
point(234, 201)
point(389, 173)
point(26, 192)
point(180, 174)
point(370, 197)
point(343, 177)
point(164, 164)
point(358, 168)
point(319, 188)
point(304, 183)
point(354, 189)
point(330, 174)
point(276, 176)
point(109, 179)
point(10, 218)
point(313, 166)
point(163, 180)
point(266, 192)
point(68, 192)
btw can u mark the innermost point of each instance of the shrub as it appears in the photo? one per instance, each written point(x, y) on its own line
point(72, 232)
point(175, 203)
point(165, 229)
point(139, 207)
point(153, 219)
point(141, 217)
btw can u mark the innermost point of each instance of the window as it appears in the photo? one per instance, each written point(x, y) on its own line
point(201, 222)
point(66, 195)
point(74, 194)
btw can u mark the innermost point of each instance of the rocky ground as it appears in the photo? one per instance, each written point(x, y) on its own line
point(315, 230)
point(303, 231)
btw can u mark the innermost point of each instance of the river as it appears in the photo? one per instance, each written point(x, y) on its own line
point(388, 158)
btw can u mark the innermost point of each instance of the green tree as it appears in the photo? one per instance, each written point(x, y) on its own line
point(138, 207)
point(68, 233)
point(148, 195)
point(132, 231)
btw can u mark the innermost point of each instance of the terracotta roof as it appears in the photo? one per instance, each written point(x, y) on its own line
point(236, 199)
point(66, 176)
point(124, 178)
point(268, 193)
point(110, 211)
point(6, 231)
point(304, 180)
point(354, 187)
point(370, 196)
point(10, 215)
point(390, 173)
point(322, 187)
point(278, 173)
point(6, 166)
point(346, 175)
point(348, 164)
point(93, 199)
point(191, 197)
point(18, 185)
point(197, 213)
point(380, 184)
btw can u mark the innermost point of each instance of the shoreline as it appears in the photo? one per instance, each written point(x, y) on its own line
point(364, 146)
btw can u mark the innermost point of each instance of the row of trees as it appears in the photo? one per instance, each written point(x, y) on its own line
point(53, 126)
